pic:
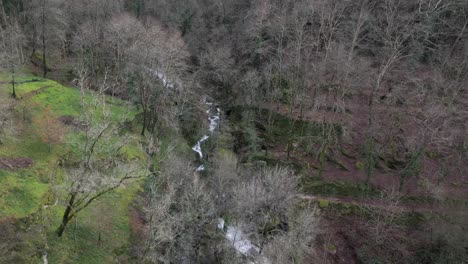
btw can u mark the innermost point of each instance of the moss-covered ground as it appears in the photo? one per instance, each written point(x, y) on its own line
point(102, 230)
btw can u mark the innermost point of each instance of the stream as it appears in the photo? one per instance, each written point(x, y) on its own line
point(239, 240)
point(214, 114)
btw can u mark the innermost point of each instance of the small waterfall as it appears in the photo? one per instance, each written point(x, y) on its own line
point(162, 77)
point(45, 259)
point(213, 118)
point(197, 147)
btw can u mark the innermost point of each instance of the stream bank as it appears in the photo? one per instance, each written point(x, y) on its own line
point(239, 240)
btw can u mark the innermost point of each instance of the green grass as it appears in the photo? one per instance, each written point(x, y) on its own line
point(108, 217)
point(63, 100)
point(23, 193)
point(20, 193)
point(276, 128)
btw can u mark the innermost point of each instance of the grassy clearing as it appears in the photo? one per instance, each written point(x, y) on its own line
point(23, 193)
point(19, 193)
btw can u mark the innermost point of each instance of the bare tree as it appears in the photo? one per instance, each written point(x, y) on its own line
point(100, 168)
point(121, 31)
point(436, 126)
point(393, 33)
point(46, 20)
point(179, 211)
point(158, 63)
point(294, 245)
point(11, 49)
point(263, 201)
point(359, 26)
point(384, 213)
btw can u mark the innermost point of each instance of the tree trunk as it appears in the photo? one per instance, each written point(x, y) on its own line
point(44, 65)
point(452, 49)
point(67, 216)
point(322, 156)
point(33, 44)
point(144, 121)
point(402, 182)
point(13, 81)
point(3, 13)
point(153, 122)
point(63, 225)
point(369, 166)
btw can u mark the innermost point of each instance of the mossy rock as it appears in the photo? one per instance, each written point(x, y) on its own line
point(303, 204)
point(432, 154)
point(360, 165)
point(331, 248)
point(324, 203)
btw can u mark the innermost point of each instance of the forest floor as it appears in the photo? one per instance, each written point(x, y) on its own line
point(350, 207)
point(442, 173)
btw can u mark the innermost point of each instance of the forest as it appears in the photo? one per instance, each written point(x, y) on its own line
point(234, 131)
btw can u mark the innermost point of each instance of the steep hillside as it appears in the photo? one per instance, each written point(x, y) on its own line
point(44, 130)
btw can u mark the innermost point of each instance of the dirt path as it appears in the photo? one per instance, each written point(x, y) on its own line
point(15, 163)
point(425, 208)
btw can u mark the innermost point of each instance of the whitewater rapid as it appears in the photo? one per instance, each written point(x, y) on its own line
point(214, 115)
